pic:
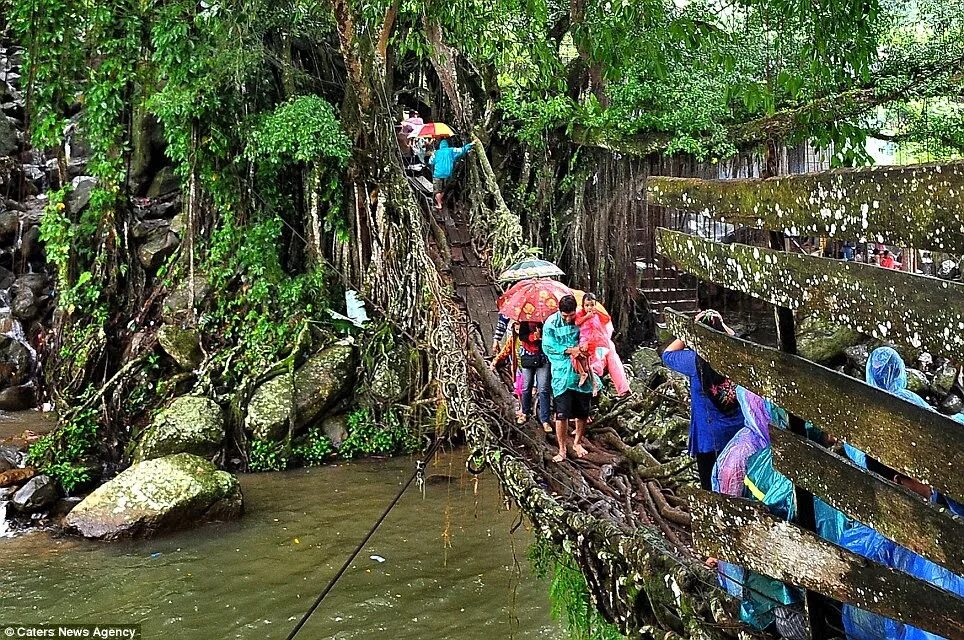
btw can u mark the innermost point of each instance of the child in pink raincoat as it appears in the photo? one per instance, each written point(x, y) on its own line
point(591, 321)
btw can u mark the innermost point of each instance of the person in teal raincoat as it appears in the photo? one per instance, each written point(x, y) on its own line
point(560, 340)
point(443, 163)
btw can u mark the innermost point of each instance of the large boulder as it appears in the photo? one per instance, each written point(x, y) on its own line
point(944, 379)
point(79, 196)
point(824, 342)
point(18, 398)
point(183, 345)
point(9, 140)
point(157, 495)
point(9, 225)
point(40, 492)
point(157, 248)
point(177, 306)
point(11, 456)
point(190, 424)
point(25, 305)
point(15, 361)
point(164, 182)
point(323, 380)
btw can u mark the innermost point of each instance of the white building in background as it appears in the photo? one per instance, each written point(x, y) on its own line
point(882, 151)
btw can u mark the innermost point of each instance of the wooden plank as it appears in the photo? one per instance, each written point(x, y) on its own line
point(918, 206)
point(742, 532)
point(898, 514)
point(921, 443)
point(919, 311)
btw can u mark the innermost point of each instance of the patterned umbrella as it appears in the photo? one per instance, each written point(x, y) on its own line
point(432, 130)
point(532, 300)
point(532, 268)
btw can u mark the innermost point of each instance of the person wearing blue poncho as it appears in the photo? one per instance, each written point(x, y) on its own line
point(886, 370)
point(863, 625)
point(715, 414)
point(443, 163)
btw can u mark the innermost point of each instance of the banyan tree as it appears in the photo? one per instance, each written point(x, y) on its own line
point(274, 125)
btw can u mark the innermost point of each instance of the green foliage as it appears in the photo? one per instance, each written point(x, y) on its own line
point(368, 437)
point(303, 129)
point(267, 455)
point(57, 234)
point(269, 307)
point(64, 454)
point(315, 448)
point(569, 593)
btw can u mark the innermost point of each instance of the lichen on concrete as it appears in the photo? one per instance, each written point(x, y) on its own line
point(919, 206)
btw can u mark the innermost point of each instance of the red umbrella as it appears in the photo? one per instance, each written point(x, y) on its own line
point(532, 300)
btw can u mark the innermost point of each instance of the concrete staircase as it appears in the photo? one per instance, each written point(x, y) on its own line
point(664, 286)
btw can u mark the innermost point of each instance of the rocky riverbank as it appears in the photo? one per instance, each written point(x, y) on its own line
point(175, 456)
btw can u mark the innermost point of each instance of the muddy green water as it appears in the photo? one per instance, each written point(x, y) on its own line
point(451, 567)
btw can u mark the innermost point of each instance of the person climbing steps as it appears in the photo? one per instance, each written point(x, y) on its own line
point(443, 163)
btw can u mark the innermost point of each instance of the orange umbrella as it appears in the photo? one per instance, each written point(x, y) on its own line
point(532, 300)
point(599, 305)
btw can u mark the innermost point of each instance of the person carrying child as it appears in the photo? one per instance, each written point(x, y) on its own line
point(591, 321)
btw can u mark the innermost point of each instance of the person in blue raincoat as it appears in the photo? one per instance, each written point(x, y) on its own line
point(573, 401)
point(443, 163)
point(864, 625)
point(715, 414)
point(886, 370)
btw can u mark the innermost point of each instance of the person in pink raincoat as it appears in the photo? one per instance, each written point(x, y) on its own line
point(603, 352)
point(592, 337)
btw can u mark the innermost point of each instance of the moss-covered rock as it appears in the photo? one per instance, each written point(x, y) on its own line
point(188, 425)
point(944, 379)
point(824, 342)
point(157, 495)
point(177, 306)
point(645, 363)
point(324, 379)
point(916, 381)
point(390, 376)
point(183, 345)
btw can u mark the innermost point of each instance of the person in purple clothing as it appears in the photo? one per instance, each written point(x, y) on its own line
point(715, 414)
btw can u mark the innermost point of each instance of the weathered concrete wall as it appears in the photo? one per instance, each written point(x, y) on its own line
point(919, 206)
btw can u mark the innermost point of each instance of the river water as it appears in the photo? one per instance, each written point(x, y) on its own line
point(441, 566)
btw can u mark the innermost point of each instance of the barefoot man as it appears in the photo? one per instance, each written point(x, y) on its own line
point(560, 341)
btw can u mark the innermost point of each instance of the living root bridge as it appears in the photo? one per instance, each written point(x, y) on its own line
point(636, 578)
point(742, 532)
point(929, 315)
point(628, 535)
point(873, 420)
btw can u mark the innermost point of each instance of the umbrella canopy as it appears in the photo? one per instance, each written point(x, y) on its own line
point(533, 268)
point(532, 300)
point(432, 130)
